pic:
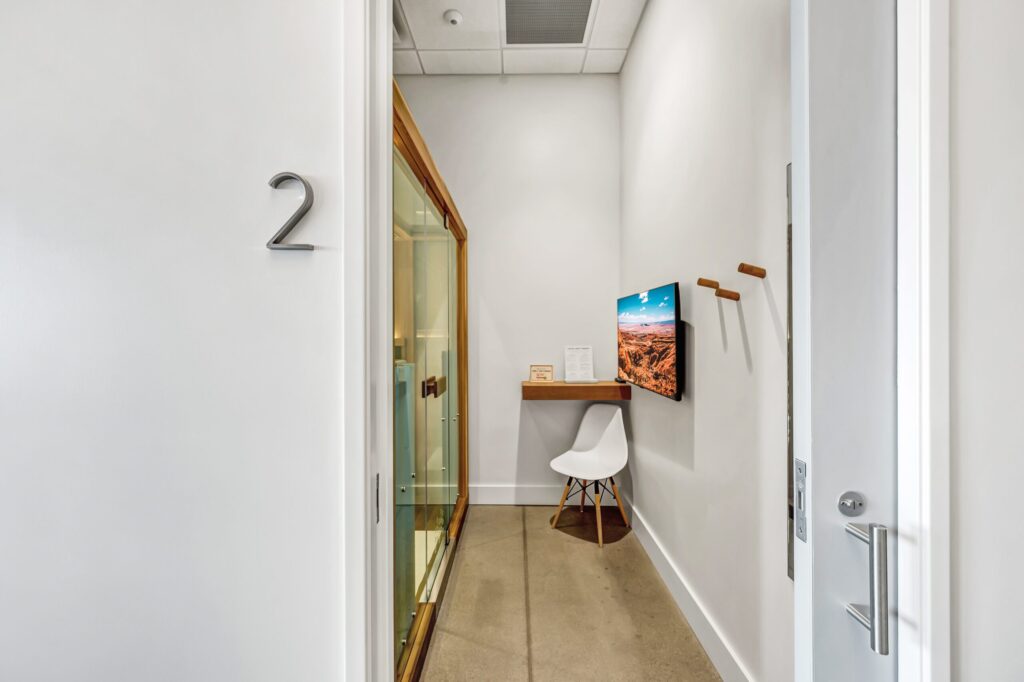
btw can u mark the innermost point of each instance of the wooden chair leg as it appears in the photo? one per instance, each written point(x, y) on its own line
point(565, 494)
point(618, 501)
point(583, 496)
point(597, 510)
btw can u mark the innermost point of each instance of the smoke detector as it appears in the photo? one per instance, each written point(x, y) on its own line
point(453, 17)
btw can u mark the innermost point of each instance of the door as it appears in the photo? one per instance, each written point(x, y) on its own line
point(423, 390)
point(844, 337)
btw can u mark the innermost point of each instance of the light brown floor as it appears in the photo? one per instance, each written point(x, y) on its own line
point(526, 602)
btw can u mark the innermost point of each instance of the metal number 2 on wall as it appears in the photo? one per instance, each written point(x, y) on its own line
point(275, 242)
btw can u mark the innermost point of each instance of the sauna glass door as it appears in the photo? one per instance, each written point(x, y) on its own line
point(424, 358)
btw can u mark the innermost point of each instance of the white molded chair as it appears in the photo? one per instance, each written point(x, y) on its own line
point(599, 452)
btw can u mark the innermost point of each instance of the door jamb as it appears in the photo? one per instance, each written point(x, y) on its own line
point(365, 112)
point(379, 561)
point(923, 88)
point(923, 470)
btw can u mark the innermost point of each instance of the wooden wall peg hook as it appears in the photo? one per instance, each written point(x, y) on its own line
point(728, 293)
point(709, 283)
point(752, 270)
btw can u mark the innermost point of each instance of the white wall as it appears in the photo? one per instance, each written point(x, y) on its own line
point(705, 143)
point(987, 240)
point(170, 417)
point(533, 165)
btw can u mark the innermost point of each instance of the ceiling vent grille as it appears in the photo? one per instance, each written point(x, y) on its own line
point(546, 22)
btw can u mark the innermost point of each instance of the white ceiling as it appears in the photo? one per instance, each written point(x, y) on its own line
point(426, 43)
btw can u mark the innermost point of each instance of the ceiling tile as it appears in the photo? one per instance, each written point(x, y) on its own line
point(480, 27)
point(544, 60)
point(406, 63)
point(437, 62)
point(615, 22)
point(604, 61)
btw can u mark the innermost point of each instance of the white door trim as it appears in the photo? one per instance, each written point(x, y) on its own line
point(380, 364)
point(354, 465)
point(366, 167)
point(923, 550)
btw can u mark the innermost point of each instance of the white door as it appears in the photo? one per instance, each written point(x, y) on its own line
point(844, 336)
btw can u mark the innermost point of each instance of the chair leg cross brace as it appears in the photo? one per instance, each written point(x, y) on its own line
point(598, 486)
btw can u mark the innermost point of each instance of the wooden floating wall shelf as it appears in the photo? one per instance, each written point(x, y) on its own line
point(559, 390)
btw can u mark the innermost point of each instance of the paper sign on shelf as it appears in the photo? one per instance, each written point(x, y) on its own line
point(579, 365)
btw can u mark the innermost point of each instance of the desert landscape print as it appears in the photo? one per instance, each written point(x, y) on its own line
point(647, 340)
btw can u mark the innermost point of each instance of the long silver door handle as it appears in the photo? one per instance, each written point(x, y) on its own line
point(875, 616)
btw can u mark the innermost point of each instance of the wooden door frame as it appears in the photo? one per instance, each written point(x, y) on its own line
point(408, 140)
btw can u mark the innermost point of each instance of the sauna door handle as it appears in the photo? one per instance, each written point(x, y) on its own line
point(434, 386)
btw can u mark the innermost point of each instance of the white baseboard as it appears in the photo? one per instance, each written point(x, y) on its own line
point(717, 647)
point(524, 495)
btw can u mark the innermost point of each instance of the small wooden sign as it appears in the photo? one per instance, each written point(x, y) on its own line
point(542, 373)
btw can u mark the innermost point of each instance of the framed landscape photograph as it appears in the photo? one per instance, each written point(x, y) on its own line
point(649, 340)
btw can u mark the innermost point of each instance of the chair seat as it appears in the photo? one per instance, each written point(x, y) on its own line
point(583, 465)
point(599, 452)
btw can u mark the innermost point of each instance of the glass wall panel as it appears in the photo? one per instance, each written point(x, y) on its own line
point(425, 394)
point(431, 263)
point(453, 375)
point(407, 204)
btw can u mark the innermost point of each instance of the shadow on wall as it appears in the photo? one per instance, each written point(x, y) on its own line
point(744, 337)
point(671, 421)
point(748, 356)
point(773, 310)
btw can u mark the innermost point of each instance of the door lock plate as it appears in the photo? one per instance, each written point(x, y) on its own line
point(800, 499)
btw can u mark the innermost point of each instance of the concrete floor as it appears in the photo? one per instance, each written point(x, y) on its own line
point(526, 602)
